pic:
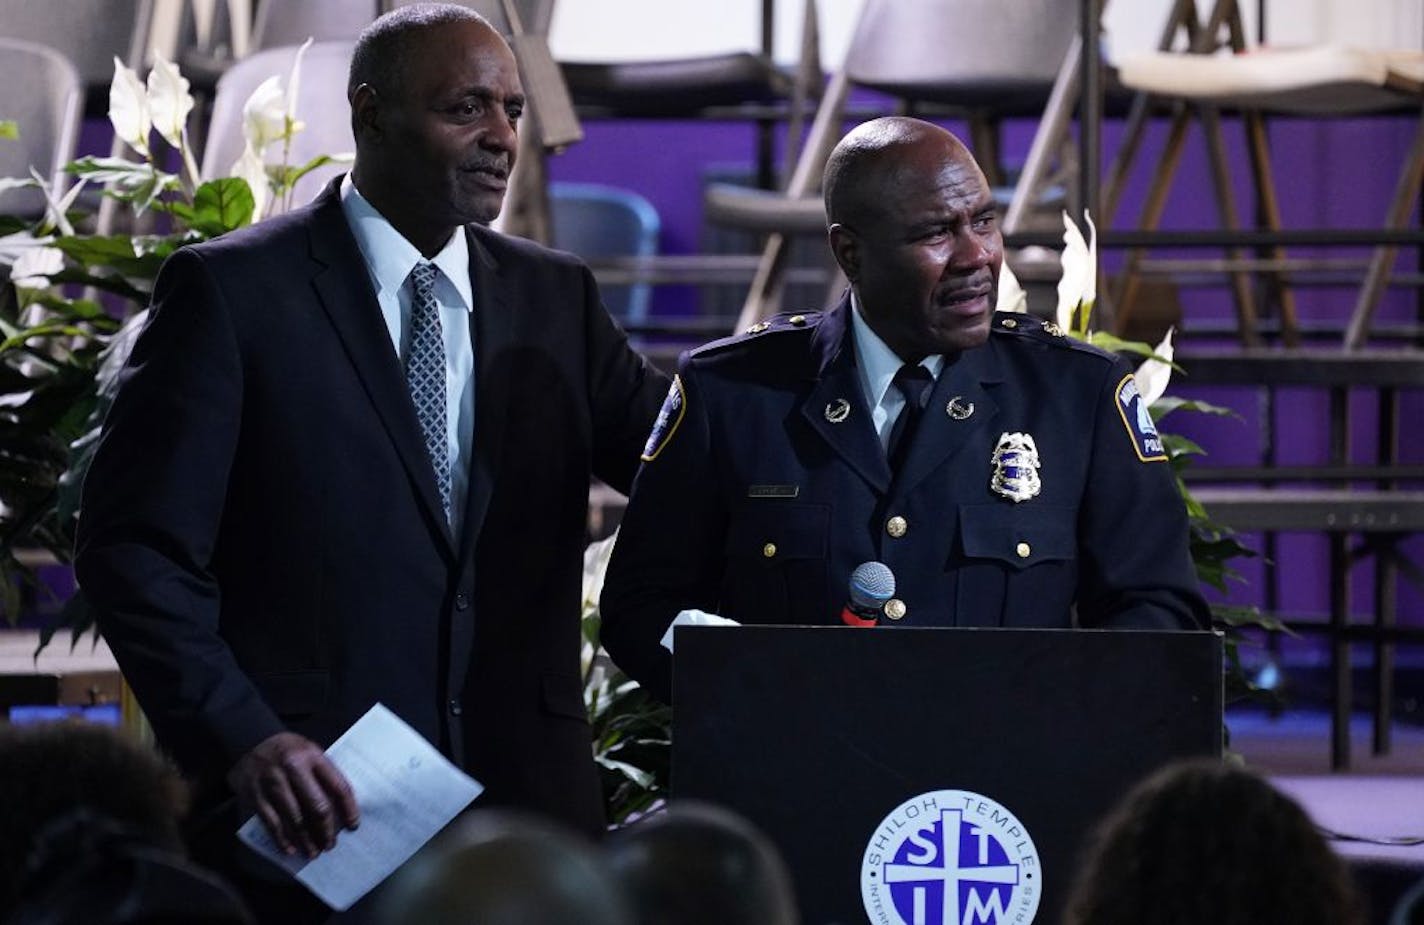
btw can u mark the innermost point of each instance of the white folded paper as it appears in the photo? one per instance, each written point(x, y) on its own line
point(407, 791)
point(694, 618)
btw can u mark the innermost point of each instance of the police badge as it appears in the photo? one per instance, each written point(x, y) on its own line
point(1016, 467)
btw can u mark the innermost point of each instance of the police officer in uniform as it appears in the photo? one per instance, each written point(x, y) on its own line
point(1006, 474)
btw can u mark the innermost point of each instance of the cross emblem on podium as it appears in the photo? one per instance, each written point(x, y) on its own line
point(949, 874)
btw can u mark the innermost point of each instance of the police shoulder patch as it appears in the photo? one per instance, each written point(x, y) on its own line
point(1138, 420)
point(674, 406)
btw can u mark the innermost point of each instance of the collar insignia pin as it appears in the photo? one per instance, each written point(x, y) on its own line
point(1016, 466)
point(958, 409)
point(837, 411)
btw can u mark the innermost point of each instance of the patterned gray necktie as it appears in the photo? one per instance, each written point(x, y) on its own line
point(425, 375)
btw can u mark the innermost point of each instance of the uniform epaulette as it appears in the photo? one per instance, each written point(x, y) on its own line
point(785, 321)
point(1031, 326)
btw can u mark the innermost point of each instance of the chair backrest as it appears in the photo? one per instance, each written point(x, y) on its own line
point(595, 221)
point(968, 53)
point(90, 33)
point(40, 91)
point(321, 105)
point(285, 22)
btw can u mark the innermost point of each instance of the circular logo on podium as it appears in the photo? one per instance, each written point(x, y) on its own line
point(950, 857)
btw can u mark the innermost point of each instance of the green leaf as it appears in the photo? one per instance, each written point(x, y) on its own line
point(637, 775)
point(1237, 616)
point(106, 282)
point(1177, 445)
point(13, 224)
point(1169, 403)
point(76, 309)
point(140, 185)
point(41, 330)
point(219, 206)
point(108, 170)
point(9, 129)
point(97, 250)
point(290, 175)
point(130, 256)
point(1114, 344)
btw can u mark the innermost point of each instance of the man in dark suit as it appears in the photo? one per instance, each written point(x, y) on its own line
point(1006, 474)
point(349, 463)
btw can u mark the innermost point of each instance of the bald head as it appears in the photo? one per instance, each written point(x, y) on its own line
point(913, 227)
point(875, 156)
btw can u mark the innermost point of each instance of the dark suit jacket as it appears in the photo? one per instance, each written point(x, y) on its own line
point(768, 486)
point(261, 533)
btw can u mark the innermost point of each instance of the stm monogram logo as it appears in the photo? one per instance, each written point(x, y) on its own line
point(950, 857)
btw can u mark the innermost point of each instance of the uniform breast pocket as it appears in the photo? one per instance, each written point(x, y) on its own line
point(1016, 564)
point(776, 563)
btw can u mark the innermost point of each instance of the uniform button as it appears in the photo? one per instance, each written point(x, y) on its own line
point(769, 550)
point(797, 320)
point(462, 602)
point(455, 708)
point(895, 608)
point(896, 526)
point(1009, 323)
point(1024, 550)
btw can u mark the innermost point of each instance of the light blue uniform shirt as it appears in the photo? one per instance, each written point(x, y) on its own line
point(876, 364)
point(390, 258)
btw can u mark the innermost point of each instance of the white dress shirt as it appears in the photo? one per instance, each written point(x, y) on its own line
point(876, 365)
point(389, 259)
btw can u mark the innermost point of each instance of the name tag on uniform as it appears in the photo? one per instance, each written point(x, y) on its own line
point(773, 491)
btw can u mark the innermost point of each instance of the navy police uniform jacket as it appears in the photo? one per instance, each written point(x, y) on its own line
point(764, 485)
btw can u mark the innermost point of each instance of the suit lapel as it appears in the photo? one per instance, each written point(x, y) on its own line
point(343, 287)
point(969, 381)
point(836, 408)
point(492, 328)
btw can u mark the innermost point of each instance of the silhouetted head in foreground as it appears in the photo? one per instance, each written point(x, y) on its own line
point(498, 868)
point(1206, 843)
point(698, 864)
point(89, 833)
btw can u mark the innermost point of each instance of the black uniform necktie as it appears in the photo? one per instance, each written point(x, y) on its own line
point(425, 375)
point(913, 382)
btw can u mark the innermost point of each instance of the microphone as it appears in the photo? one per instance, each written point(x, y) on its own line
point(871, 585)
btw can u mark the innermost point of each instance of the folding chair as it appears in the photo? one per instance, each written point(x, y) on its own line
point(1322, 81)
point(983, 59)
point(40, 90)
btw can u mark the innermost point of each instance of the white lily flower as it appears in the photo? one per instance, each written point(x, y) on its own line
point(169, 101)
point(1090, 282)
point(292, 82)
point(269, 114)
point(1154, 374)
point(264, 115)
point(249, 167)
point(1012, 297)
point(595, 567)
point(35, 265)
point(128, 108)
point(1077, 284)
point(13, 245)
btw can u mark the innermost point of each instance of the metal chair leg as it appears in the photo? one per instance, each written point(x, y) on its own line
point(1405, 194)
